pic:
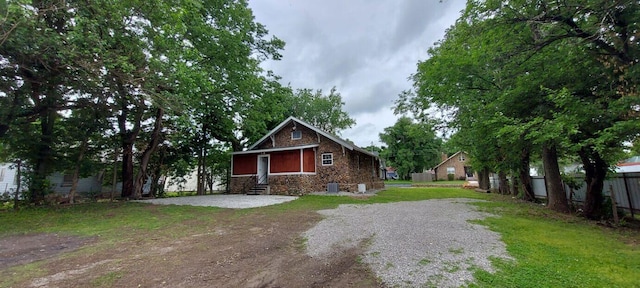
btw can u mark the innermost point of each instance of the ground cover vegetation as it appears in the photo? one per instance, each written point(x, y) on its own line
point(519, 81)
point(550, 249)
point(135, 90)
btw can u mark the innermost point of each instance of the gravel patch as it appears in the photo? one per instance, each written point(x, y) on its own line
point(423, 243)
point(236, 201)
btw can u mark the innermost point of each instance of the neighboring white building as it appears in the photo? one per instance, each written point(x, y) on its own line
point(174, 184)
point(8, 178)
point(60, 183)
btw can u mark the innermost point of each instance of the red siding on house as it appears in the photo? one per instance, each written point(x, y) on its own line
point(244, 164)
point(309, 158)
point(285, 161)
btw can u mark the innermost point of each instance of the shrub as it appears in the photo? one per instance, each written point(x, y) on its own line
point(450, 177)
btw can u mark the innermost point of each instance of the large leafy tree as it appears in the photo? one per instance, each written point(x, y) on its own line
point(147, 64)
point(410, 147)
point(601, 106)
point(546, 76)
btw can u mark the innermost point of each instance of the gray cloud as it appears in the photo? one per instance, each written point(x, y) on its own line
point(366, 48)
point(373, 98)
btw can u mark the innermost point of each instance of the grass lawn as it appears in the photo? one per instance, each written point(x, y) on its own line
point(397, 181)
point(550, 250)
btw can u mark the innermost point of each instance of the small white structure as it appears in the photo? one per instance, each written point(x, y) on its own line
point(8, 178)
point(174, 184)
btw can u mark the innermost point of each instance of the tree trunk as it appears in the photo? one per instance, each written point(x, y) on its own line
point(42, 168)
point(157, 174)
point(504, 183)
point(515, 184)
point(525, 176)
point(114, 179)
point(200, 176)
point(483, 179)
point(557, 199)
point(146, 155)
point(76, 171)
point(128, 139)
point(595, 172)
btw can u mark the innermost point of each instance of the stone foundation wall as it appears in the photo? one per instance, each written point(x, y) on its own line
point(241, 185)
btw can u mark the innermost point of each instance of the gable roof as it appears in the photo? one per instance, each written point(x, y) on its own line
point(329, 136)
point(454, 155)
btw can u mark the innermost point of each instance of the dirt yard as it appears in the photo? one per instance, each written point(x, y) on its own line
point(255, 250)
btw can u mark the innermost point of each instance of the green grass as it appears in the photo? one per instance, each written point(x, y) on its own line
point(108, 220)
point(397, 182)
point(443, 183)
point(549, 250)
point(554, 250)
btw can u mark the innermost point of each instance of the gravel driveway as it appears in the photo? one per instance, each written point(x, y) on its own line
point(424, 243)
point(236, 201)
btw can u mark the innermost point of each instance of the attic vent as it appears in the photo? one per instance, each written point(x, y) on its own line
point(332, 187)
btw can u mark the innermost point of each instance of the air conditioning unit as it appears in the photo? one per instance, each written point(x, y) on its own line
point(332, 187)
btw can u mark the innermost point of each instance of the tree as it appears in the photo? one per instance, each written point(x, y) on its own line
point(410, 147)
point(322, 111)
point(546, 76)
point(604, 35)
point(150, 62)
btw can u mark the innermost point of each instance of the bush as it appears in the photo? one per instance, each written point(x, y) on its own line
point(451, 177)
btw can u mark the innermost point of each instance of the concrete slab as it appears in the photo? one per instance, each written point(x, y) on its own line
point(235, 201)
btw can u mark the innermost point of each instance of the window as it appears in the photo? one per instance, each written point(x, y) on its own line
point(67, 180)
point(327, 159)
point(296, 135)
point(451, 170)
point(461, 158)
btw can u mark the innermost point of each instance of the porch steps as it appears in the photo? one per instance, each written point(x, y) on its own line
point(259, 189)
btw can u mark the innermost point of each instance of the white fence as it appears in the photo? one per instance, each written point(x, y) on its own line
point(625, 186)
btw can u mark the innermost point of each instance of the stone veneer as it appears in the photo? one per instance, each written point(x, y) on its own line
point(350, 167)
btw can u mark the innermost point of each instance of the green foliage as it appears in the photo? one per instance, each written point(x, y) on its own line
point(91, 73)
point(535, 75)
point(410, 147)
point(322, 111)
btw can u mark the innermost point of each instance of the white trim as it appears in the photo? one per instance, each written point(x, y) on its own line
point(301, 160)
point(243, 175)
point(322, 159)
point(275, 149)
point(268, 168)
point(451, 157)
point(292, 173)
point(296, 121)
point(294, 132)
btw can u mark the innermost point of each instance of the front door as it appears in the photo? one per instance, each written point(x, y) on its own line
point(263, 169)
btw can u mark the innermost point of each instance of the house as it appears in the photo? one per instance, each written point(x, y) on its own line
point(296, 158)
point(631, 165)
point(60, 183)
point(457, 165)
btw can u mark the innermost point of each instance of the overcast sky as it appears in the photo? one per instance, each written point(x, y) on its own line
point(365, 48)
